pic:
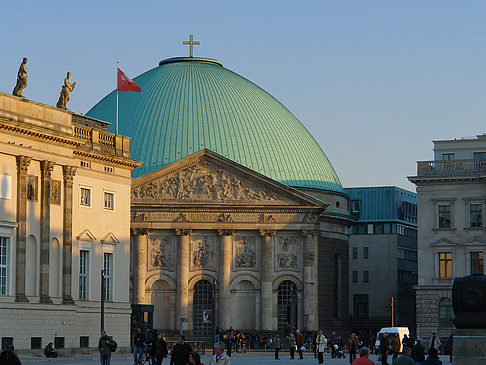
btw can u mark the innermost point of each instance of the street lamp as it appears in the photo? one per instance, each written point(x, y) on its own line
point(102, 299)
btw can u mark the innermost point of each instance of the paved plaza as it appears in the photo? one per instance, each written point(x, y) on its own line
point(236, 359)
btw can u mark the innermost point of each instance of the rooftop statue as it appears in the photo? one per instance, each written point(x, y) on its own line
point(65, 94)
point(469, 301)
point(21, 79)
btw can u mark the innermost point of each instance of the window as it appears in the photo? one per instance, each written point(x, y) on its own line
point(108, 267)
point(446, 313)
point(85, 197)
point(355, 253)
point(83, 274)
point(109, 201)
point(479, 155)
point(370, 229)
point(378, 228)
point(360, 306)
point(7, 341)
point(448, 156)
point(366, 276)
point(59, 342)
point(445, 264)
point(4, 248)
point(109, 169)
point(475, 215)
point(35, 343)
point(84, 342)
point(365, 252)
point(86, 164)
point(477, 262)
point(355, 206)
point(444, 216)
point(355, 276)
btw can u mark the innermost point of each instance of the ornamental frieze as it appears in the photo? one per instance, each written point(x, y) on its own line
point(216, 217)
point(201, 183)
point(287, 253)
point(162, 250)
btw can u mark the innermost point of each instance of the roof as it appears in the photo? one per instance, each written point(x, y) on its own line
point(190, 104)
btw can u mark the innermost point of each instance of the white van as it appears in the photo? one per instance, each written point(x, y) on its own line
point(402, 331)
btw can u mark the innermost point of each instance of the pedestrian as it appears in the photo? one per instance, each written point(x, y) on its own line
point(451, 343)
point(300, 344)
point(160, 348)
point(434, 342)
point(292, 345)
point(433, 358)
point(229, 343)
point(9, 357)
point(195, 359)
point(139, 342)
point(321, 346)
point(105, 346)
point(353, 347)
point(405, 358)
point(219, 357)
point(418, 352)
point(363, 359)
point(332, 342)
point(314, 345)
point(277, 345)
point(395, 346)
point(384, 344)
point(49, 351)
point(180, 352)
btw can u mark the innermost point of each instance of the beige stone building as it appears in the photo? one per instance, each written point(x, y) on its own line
point(64, 216)
point(451, 242)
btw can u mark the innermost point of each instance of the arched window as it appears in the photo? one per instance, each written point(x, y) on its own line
point(202, 307)
point(446, 313)
point(287, 307)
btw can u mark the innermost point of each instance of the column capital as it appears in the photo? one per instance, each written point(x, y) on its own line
point(183, 232)
point(310, 233)
point(226, 232)
point(267, 232)
point(68, 173)
point(23, 164)
point(46, 169)
point(139, 231)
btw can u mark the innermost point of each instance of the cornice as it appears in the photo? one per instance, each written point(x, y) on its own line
point(445, 180)
point(229, 209)
point(97, 156)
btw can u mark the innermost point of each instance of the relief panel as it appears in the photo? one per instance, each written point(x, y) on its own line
point(56, 192)
point(286, 253)
point(162, 252)
point(203, 252)
point(245, 252)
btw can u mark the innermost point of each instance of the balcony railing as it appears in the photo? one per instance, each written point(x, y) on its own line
point(102, 141)
point(451, 168)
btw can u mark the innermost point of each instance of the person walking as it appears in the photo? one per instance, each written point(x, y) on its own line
point(219, 357)
point(405, 358)
point(418, 352)
point(332, 342)
point(363, 359)
point(277, 345)
point(180, 352)
point(395, 346)
point(451, 343)
point(321, 346)
point(9, 357)
point(384, 344)
point(353, 347)
point(139, 342)
point(160, 348)
point(300, 344)
point(434, 342)
point(292, 344)
point(105, 344)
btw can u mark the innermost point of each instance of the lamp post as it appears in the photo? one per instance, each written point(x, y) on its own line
point(102, 299)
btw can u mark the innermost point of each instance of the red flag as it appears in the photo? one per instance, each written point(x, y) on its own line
point(126, 84)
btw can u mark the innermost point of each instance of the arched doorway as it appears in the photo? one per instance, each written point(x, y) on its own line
point(287, 306)
point(243, 302)
point(160, 299)
point(202, 309)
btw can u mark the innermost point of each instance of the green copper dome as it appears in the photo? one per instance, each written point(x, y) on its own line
point(188, 104)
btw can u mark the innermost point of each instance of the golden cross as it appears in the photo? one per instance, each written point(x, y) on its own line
point(190, 43)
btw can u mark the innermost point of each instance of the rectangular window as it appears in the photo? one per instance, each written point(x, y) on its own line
point(109, 201)
point(370, 229)
point(83, 274)
point(59, 342)
point(109, 169)
point(444, 216)
point(35, 343)
point(479, 155)
point(86, 164)
point(448, 156)
point(4, 253)
point(85, 197)
point(476, 215)
point(355, 206)
point(445, 264)
point(84, 342)
point(365, 252)
point(477, 262)
point(355, 276)
point(355, 253)
point(7, 341)
point(366, 276)
point(360, 306)
point(108, 267)
point(378, 228)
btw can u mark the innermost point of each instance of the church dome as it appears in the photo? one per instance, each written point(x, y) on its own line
point(190, 104)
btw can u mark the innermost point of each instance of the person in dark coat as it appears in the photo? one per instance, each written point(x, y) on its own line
point(139, 342)
point(104, 347)
point(418, 352)
point(433, 358)
point(9, 357)
point(180, 352)
point(384, 344)
point(49, 351)
point(160, 348)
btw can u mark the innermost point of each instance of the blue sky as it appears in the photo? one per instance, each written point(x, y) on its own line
point(374, 81)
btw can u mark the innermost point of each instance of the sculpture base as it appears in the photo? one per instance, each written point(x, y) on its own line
point(469, 347)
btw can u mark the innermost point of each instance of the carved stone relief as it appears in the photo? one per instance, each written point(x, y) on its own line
point(162, 254)
point(32, 187)
point(244, 252)
point(287, 253)
point(202, 252)
point(55, 192)
point(206, 182)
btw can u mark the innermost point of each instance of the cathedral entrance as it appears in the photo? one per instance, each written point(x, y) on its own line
point(287, 307)
point(202, 309)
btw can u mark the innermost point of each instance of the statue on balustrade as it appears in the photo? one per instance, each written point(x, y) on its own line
point(66, 90)
point(21, 79)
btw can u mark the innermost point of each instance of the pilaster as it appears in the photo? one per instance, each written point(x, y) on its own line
point(182, 308)
point(224, 277)
point(45, 230)
point(310, 275)
point(139, 267)
point(266, 270)
point(68, 173)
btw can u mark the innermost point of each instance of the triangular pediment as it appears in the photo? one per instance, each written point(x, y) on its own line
point(86, 235)
point(110, 239)
point(476, 241)
point(208, 177)
point(444, 242)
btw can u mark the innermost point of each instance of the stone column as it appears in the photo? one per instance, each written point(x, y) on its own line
point(310, 280)
point(45, 230)
point(224, 277)
point(68, 173)
point(182, 308)
point(139, 267)
point(22, 166)
point(266, 274)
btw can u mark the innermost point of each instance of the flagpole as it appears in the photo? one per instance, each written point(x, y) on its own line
point(117, 98)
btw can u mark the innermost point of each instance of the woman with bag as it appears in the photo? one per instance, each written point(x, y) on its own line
point(292, 345)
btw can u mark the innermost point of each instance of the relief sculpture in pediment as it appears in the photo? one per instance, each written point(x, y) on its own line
point(287, 253)
point(202, 183)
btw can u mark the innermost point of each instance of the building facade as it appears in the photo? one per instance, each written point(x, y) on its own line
point(64, 198)
point(451, 201)
point(382, 258)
